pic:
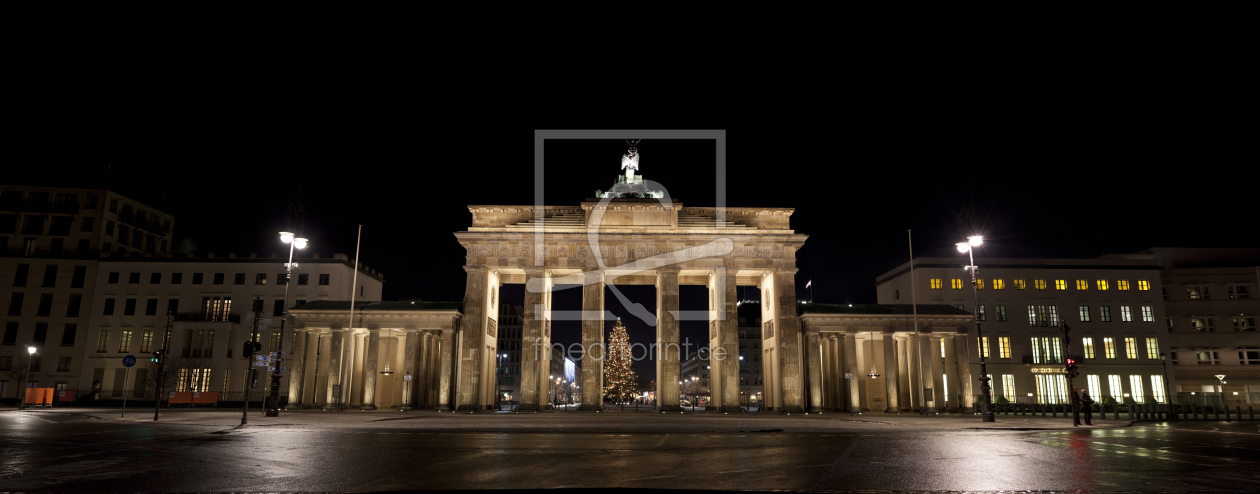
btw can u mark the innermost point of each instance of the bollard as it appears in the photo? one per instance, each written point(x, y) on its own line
point(1238, 408)
point(1129, 410)
point(1216, 411)
point(1251, 413)
point(1043, 410)
point(1115, 411)
point(1226, 407)
point(1054, 410)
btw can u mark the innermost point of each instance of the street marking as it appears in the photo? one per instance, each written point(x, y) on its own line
point(737, 471)
point(812, 466)
point(653, 478)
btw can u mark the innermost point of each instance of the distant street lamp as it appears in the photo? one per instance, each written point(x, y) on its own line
point(1163, 359)
point(30, 358)
point(987, 399)
point(273, 408)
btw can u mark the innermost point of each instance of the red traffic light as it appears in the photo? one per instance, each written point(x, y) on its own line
point(1071, 361)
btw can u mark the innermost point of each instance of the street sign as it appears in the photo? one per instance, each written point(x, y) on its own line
point(277, 354)
point(262, 358)
point(848, 375)
point(260, 364)
point(271, 369)
point(407, 377)
point(129, 361)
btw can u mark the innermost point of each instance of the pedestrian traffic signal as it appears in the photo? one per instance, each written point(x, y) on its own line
point(157, 357)
point(1071, 368)
point(251, 347)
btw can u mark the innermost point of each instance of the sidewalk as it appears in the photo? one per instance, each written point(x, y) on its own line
point(586, 422)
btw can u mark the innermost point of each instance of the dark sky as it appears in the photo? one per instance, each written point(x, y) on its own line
point(1070, 188)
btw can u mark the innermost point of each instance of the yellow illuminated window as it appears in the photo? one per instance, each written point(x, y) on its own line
point(956, 283)
point(1152, 348)
point(1130, 347)
point(1018, 284)
point(984, 347)
point(936, 283)
point(1039, 284)
point(1109, 346)
point(1122, 284)
point(999, 285)
point(980, 283)
point(1004, 347)
point(1102, 284)
point(1089, 347)
point(1060, 284)
point(1082, 284)
point(1144, 285)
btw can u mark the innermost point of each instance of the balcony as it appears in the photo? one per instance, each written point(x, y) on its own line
point(207, 317)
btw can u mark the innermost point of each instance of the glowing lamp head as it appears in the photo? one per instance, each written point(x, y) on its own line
point(975, 240)
point(286, 237)
point(963, 246)
point(30, 350)
point(299, 242)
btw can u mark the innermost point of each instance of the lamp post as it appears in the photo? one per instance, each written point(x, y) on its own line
point(273, 409)
point(1163, 359)
point(30, 350)
point(498, 400)
point(1221, 378)
point(986, 398)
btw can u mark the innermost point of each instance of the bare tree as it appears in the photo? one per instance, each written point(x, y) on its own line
point(17, 371)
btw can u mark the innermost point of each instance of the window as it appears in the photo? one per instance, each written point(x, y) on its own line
point(239, 279)
point(1126, 315)
point(999, 284)
point(1202, 325)
point(1054, 315)
point(1018, 284)
point(1144, 285)
point(67, 336)
point(216, 308)
point(304, 279)
point(197, 278)
point(1122, 284)
point(45, 305)
point(984, 347)
point(155, 279)
point(50, 276)
point(1152, 348)
point(15, 303)
point(146, 341)
point(133, 279)
point(102, 341)
point(76, 279)
point(1102, 285)
point(109, 307)
point(1051, 389)
point(282, 279)
point(323, 279)
point(1148, 314)
point(1104, 313)
point(1084, 312)
point(113, 205)
point(113, 278)
point(1001, 312)
point(150, 307)
point(1244, 324)
point(41, 334)
point(1135, 387)
point(274, 343)
point(36, 360)
point(109, 227)
point(1008, 387)
point(980, 312)
point(979, 283)
point(1157, 388)
point(955, 283)
point(1004, 347)
point(19, 277)
point(10, 333)
point(1088, 343)
point(72, 308)
point(1046, 350)
point(1239, 291)
point(1041, 315)
point(1038, 284)
point(934, 283)
point(1109, 346)
point(1197, 292)
point(1130, 347)
point(260, 279)
point(63, 364)
point(278, 310)
point(1082, 284)
point(218, 278)
point(1170, 324)
point(124, 346)
point(1095, 389)
point(1208, 357)
point(1117, 387)
point(129, 309)
point(177, 278)
point(1249, 355)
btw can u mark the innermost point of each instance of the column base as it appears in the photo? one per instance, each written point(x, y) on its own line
point(791, 409)
point(668, 408)
point(892, 410)
point(443, 408)
point(815, 409)
point(367, 407)
point(467, 407)
point(406, 407)
point(330, 407)
point(590, 408)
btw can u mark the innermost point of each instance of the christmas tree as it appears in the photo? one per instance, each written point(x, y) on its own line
point(619, 379)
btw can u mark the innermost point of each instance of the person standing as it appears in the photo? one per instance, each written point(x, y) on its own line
point(1088, 405)
point(1076, 408)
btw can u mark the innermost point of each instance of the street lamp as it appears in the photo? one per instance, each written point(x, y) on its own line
point(30, 358)
point(1221, 378)
point(499, 393)
point(986, 398)
point(273, 410)
point(1163, 359)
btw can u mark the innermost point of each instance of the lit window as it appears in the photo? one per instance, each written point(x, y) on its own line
point(1157, 388)
point(1109, 347)
point(1208, 358)
point(102, 341)
point(1032, 315)
point(1018, 284)
point(1060, 284)
point(984, 347)
point(1089, 347)
point(1244, 324)
point(980, 312)
point(1152, 348)
point(1082, 284)
point(1008, 387)
point(146, 341)
point(1046, 350)
point(1239, 291)
point(1054, 315)
point(1197, 292)
point(1102, 284)
point(1084, 311)
point(1126, 315)
point(1249, 355)
point(1135, 386)
point(1001, 313)
point(1130, 348)
point(1104, 313)
point(1122, 284)
point(1148, 315)
point(1202, 325)
point(1004, 347)
point(1039, 284)
point(1095, 388)
point(980, 284)
point(1144, 285)
point(999, 285)
point(955, 283)
point(1117, 387)
point(935, 283)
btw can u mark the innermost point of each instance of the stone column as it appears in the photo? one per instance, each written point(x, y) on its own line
point(297, 375)
point(423, 376)
point(668, 366)
point(938, 380)
point(532, 348)
point(951, 372)
point(964, 373)
point(789, 334)
point(728, 332)
point(322, 374)
point(370, 369)
point(309, 391)
point(905, 381)
point(815, 373)
point(409, 369)
point(891, 376)
point(347, 366)
point(836, 374)
point(472, 329)
point(827, 361)
point(850, 362)
point(592, 342)
point(336, 350)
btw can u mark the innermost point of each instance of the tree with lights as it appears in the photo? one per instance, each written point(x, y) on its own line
point(619, 379)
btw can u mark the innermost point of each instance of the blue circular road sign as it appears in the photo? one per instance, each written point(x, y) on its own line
point(129, 361)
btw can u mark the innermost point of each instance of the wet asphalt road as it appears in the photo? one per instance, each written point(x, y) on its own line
point(66, 452)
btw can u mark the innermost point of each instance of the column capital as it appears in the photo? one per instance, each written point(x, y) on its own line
point(889, 331)
point(779, 271)
point(535, 271)
point(672, 269)
point(474, 268)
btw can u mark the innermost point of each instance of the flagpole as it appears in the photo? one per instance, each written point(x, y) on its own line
point(917, 344)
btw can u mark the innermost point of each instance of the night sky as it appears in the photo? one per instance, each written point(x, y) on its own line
point(1041, 190)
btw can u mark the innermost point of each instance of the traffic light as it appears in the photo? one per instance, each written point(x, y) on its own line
point(1071, 368)
point(251, 347)
point(253, 378)
point(157, 357)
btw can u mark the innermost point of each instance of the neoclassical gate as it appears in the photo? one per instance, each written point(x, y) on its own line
point(610, 242)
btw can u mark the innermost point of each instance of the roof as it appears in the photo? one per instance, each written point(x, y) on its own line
point(903, 309)
point(333, 305)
